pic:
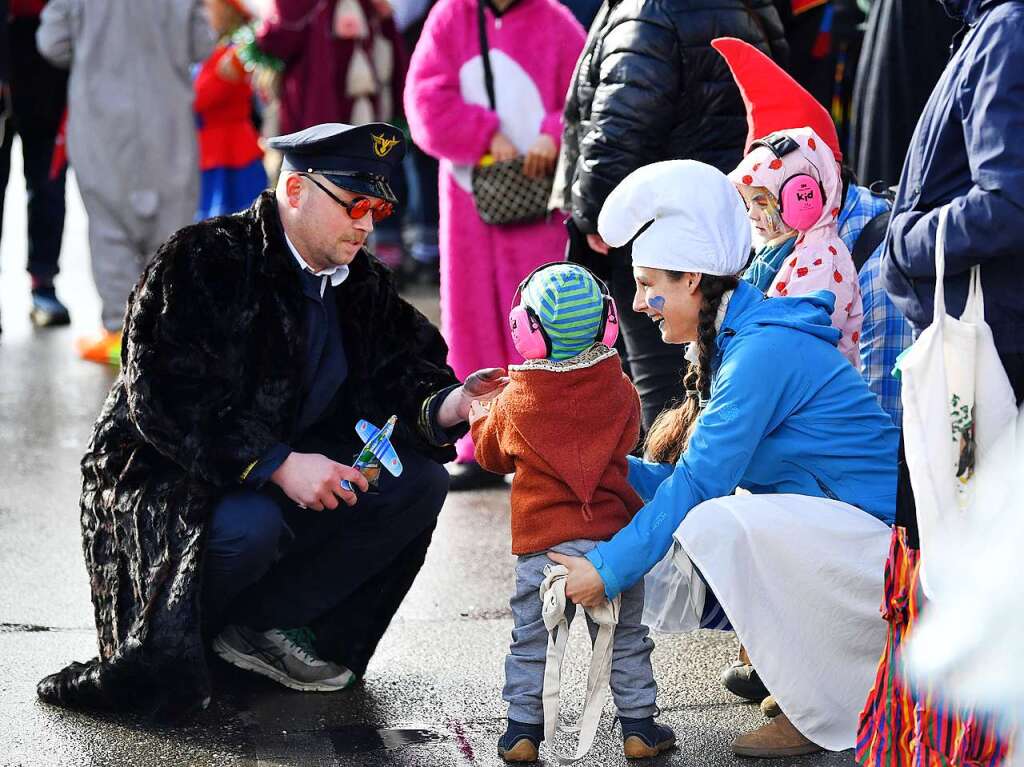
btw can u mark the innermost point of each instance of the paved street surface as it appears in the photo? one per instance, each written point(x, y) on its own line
point(432, 695)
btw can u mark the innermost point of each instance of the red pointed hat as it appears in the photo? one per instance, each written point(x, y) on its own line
point(774, 100)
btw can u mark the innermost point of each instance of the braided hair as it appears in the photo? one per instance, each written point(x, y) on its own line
point(670, 432)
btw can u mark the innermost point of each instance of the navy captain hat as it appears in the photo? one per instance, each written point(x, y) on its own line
point(358, 158)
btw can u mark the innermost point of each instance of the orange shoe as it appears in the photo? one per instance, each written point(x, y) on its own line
point(104, 349)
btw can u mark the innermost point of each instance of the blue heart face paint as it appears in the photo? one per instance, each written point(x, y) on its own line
point(657, 303)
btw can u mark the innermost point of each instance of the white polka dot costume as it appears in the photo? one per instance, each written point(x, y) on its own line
point(820, 259)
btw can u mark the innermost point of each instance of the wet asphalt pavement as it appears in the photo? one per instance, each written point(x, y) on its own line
point(432, 694)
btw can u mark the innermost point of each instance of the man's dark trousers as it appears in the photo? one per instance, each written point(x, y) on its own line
point(39, 93)
point(343, 572)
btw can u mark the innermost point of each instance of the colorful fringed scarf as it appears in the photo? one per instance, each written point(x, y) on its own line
point(903, 725)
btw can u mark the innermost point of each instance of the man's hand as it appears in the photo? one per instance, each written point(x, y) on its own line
point(502, 149)
point(583, 584)
point(483, 385)
point(540, 160)
point(314, 481)
point(597, 244)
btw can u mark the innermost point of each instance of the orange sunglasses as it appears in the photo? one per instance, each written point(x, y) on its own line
point(360, 206)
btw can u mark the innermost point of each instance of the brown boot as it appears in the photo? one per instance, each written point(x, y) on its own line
point(776, 739)
point(770, 707)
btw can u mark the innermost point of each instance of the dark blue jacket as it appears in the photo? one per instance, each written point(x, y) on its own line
point(967, 150)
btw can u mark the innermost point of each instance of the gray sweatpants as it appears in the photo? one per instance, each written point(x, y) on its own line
point(122, 242)
point(632, 679)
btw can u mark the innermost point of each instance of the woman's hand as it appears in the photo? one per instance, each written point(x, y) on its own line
point(502, 149)
point(583, 585)
point(540, 160)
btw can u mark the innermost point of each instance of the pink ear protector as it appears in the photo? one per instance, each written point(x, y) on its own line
point(801, 196)
point(528, 334)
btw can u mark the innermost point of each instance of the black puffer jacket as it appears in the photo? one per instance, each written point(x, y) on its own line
point(650, 87)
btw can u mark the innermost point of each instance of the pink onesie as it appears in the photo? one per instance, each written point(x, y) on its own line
point(533, 50)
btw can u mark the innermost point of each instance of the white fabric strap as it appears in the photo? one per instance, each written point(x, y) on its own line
point(939, 308)
point(606, 616)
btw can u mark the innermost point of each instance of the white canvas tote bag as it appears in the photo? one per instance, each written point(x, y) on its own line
point(957, 401)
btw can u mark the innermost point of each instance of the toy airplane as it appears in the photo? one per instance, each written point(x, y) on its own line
point(377, 451)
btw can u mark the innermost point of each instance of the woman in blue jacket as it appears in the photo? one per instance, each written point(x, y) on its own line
point(771, 406)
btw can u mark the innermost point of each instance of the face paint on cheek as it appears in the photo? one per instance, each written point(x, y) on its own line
point(657, 303)
point(772, 217)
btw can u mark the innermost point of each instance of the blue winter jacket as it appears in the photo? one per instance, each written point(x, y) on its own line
point(787, 414)
point(967, 150)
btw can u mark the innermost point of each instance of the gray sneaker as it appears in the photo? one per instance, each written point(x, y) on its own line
point(287, 657)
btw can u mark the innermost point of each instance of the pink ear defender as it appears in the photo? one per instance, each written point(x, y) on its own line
point(801, 196)
point(528, 334)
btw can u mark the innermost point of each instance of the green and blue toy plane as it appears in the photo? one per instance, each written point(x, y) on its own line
point(377, 451)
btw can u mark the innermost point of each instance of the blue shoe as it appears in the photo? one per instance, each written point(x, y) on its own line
point(644, 738)
point(47, 310)
point(521, 742)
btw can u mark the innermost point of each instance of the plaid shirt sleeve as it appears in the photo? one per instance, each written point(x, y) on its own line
point(860, 207)
point(884, 335)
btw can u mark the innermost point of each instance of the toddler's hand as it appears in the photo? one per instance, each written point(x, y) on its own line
point(478, 410)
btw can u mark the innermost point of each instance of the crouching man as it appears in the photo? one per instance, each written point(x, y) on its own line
point(212, 502)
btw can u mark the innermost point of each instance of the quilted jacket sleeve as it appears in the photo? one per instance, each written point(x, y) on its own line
point(633, 108)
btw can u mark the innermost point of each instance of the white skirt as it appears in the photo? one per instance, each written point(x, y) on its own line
point(800, 579)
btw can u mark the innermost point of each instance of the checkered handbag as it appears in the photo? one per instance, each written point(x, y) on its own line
point(504, 195)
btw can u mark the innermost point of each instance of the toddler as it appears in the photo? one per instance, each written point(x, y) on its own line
point(564, 425)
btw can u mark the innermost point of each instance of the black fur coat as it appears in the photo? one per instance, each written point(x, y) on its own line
point(213, 353)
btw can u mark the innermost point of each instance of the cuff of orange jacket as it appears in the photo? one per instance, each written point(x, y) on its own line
point(612, 586)
point(257, 474)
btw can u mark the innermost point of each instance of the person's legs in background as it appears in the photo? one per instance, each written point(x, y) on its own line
point(37, 101)
point(116, 265)
point(422, 220)
point(473, 322)
point(387, 235)
point(45, 226)
point(5, 158)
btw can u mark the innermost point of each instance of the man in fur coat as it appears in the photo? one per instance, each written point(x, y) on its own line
point(212, 503)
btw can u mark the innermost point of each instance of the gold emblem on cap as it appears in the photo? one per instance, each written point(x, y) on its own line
point(382, 144)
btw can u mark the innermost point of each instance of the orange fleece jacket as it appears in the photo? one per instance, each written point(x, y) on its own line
point(565, 429)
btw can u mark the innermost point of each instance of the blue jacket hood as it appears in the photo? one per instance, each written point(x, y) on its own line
point(810, 313)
